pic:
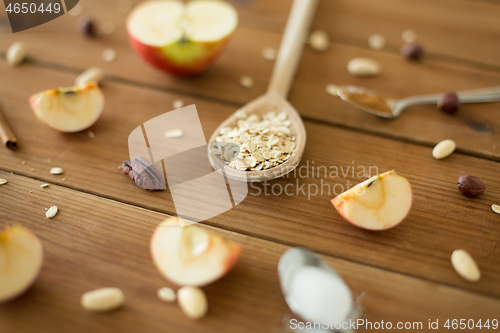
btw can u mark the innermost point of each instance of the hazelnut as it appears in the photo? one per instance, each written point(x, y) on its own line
point(470, 186)
point(449, 103)
point(412, 51)
point(87, 27)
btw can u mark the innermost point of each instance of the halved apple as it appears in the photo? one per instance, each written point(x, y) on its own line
point(181, 39)
point(378, 203)
point(70, 109)
point(190, 255)
point(21, 257)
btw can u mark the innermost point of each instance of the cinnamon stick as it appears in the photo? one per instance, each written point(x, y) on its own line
point(6, 135)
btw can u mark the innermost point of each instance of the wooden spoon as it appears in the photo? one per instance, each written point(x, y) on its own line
point(289, 55)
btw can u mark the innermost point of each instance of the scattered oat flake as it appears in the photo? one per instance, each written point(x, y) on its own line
point(409, 36)
point(76, 11)
point(246, 81)
point(91, 134)
point(56, 171)
point(319, 40)
point(119, 167)
point(175, 133)
point(269, 53)
point(178, 103)
point(495, 208)
point(51, 212)
point(109, 55)
point(108, 28)
point(44, 185)
point(3, 181)
point(376, 41)
point(64, 179)
point(166, 294)
point(124, 6)
point(24, 162)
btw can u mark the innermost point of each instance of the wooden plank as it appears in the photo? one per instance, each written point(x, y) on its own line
point(94, 242)
point(441, 220)
point(476, 126)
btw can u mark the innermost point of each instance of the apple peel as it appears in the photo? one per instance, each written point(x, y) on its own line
point(379, 203)
point(189, 255)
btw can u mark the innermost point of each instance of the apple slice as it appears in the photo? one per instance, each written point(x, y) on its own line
point(21, 257)
point(181, 39)
point(378, 203)
point(70, 109)
point(190, 255)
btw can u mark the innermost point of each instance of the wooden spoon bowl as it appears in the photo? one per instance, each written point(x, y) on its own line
point(260, 106)
point(275, 99)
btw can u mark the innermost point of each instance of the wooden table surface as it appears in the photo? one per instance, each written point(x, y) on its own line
point(101, 235)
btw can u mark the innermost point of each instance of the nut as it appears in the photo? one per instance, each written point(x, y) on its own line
point(16, 54)
point(376, 41)
point(412, 51)
point(56, 171)
point(103, 299)
point(86, 27)
point(449, 103)
point(444, 149)
point(166, 295)
point(470, 186)
point(465, 265)
point(363, 67)
point(93, 74)
point(319, 40)
point(144, 174)
point(193, 302)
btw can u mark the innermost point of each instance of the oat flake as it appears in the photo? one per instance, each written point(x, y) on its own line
point(51, 212)
point(495, 208)
point(3, 181)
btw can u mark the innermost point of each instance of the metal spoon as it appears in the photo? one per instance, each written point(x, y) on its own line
point(290, 262)
point(372, 102)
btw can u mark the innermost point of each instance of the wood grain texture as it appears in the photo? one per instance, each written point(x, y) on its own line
point(441, 219)
point(476, 126)
point(93, 242)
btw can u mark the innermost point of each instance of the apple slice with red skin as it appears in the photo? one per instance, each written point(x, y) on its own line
point(21, 257)
point(70, 109)
point(379, 203)
point(190, 255)
point(181, 38)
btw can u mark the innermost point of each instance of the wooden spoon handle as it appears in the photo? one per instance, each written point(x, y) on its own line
point(291, 47)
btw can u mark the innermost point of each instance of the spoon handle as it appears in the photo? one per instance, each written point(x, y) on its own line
point(491, 94)
point(291, 47)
